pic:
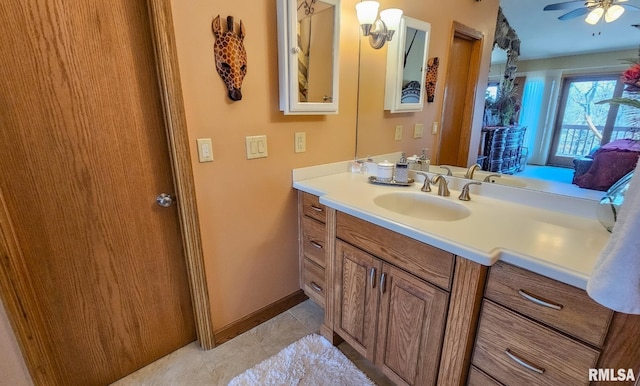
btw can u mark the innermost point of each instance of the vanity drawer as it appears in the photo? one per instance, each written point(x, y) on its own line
point(559, 305)
point(314, 284)
point(429, 263)
point(314, 240)
point(311, 207)
point(478, 378)
point(517, 351)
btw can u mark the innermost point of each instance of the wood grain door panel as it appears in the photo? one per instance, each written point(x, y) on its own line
point(357, 297)
point(410, 328)
point(84, 156)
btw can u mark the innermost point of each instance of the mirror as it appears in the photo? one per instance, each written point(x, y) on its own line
point(406, 67)
point(373, 141)
point(308, 56)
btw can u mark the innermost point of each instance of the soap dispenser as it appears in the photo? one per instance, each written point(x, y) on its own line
point(402, 170)
point(424, 160)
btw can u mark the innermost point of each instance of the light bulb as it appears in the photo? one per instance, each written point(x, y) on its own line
point(367, 11)
point(613, 13)
point(594, 16)
point(391, 18)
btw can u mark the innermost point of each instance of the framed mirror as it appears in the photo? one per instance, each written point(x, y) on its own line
point(308, 56)
point(406, 67)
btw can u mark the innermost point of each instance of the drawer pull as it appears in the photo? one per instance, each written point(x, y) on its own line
point(317, 209)
point(383, 283)
point(540, 302)
point(372, 277)
point(315, 286)
point(319, 246)
point(523, 363)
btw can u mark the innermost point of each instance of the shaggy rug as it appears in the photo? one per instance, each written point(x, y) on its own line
point(311, 361)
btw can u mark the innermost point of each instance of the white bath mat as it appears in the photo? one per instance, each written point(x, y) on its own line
point(311, 361)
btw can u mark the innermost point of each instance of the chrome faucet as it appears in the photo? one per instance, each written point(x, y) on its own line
point(426, 187)
point(469, 174)
point(488, 178)
point(443, 189)
point(448, 169)
point(464, 194)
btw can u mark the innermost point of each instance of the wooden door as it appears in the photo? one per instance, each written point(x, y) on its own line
point(84, 154)
point(357, 275)
point(461, 81)
point(410, 328)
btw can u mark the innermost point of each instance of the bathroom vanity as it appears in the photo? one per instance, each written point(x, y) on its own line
point(485, 292)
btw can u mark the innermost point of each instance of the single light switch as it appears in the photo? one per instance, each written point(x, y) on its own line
point(398, 135)
point(300, 142)
point(205, 149)
point(418, 130)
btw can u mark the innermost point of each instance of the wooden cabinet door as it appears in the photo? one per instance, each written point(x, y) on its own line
point(410, 328)
point(357, 297)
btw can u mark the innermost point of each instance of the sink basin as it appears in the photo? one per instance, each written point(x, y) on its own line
point(422, 206)
point(503, 180)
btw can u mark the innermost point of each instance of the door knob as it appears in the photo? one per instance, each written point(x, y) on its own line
point(164, 200)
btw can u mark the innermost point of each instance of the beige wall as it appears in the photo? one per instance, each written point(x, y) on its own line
point(376, 127)
point(604, 61)
point(247, 208)
point(13, 370)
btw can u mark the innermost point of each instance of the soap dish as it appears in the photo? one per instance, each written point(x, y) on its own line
point(374, 180)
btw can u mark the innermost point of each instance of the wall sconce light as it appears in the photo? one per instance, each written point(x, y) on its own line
point(379, 30)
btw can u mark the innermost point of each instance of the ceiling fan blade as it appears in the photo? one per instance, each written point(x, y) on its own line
point(563, 6)
point(575, 13)
point(629, 7)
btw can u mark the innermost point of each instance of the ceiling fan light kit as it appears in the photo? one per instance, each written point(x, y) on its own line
point(594, 9)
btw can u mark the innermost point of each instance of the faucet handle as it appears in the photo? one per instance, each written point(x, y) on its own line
point(464, 194)
point(488, 178)
point(448, 169)
point(426, 187)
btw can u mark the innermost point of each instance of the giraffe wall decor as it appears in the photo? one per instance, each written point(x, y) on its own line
point(230, 55)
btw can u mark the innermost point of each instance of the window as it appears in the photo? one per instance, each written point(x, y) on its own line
point(583, 125)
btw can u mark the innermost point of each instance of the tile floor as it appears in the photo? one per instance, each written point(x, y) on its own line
point(193, 366)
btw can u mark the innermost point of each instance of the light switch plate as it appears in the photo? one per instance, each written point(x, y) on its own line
point(256, 146)
point(434, 128)
point(418, 130)
point(398, 135)
point(205, 150)
point(300, 142)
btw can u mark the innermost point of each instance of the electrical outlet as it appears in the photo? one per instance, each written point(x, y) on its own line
point(418, 130)
point(256, 146)
point(300, 140)
point(434, 128)
point(398, 136)
point(205, 150)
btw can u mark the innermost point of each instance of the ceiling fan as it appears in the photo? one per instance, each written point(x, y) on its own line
point(594, 9)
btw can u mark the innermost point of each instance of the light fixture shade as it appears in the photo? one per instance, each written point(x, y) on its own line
point(594, 16)
point(367, 11)
point(613, 13)
point(391, 17)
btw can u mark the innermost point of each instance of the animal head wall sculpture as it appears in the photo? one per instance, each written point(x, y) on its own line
point(231, 58)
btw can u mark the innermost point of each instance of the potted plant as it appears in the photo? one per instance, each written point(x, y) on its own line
point(502, 110)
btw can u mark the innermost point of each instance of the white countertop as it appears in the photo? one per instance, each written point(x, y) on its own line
point(552, 235)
